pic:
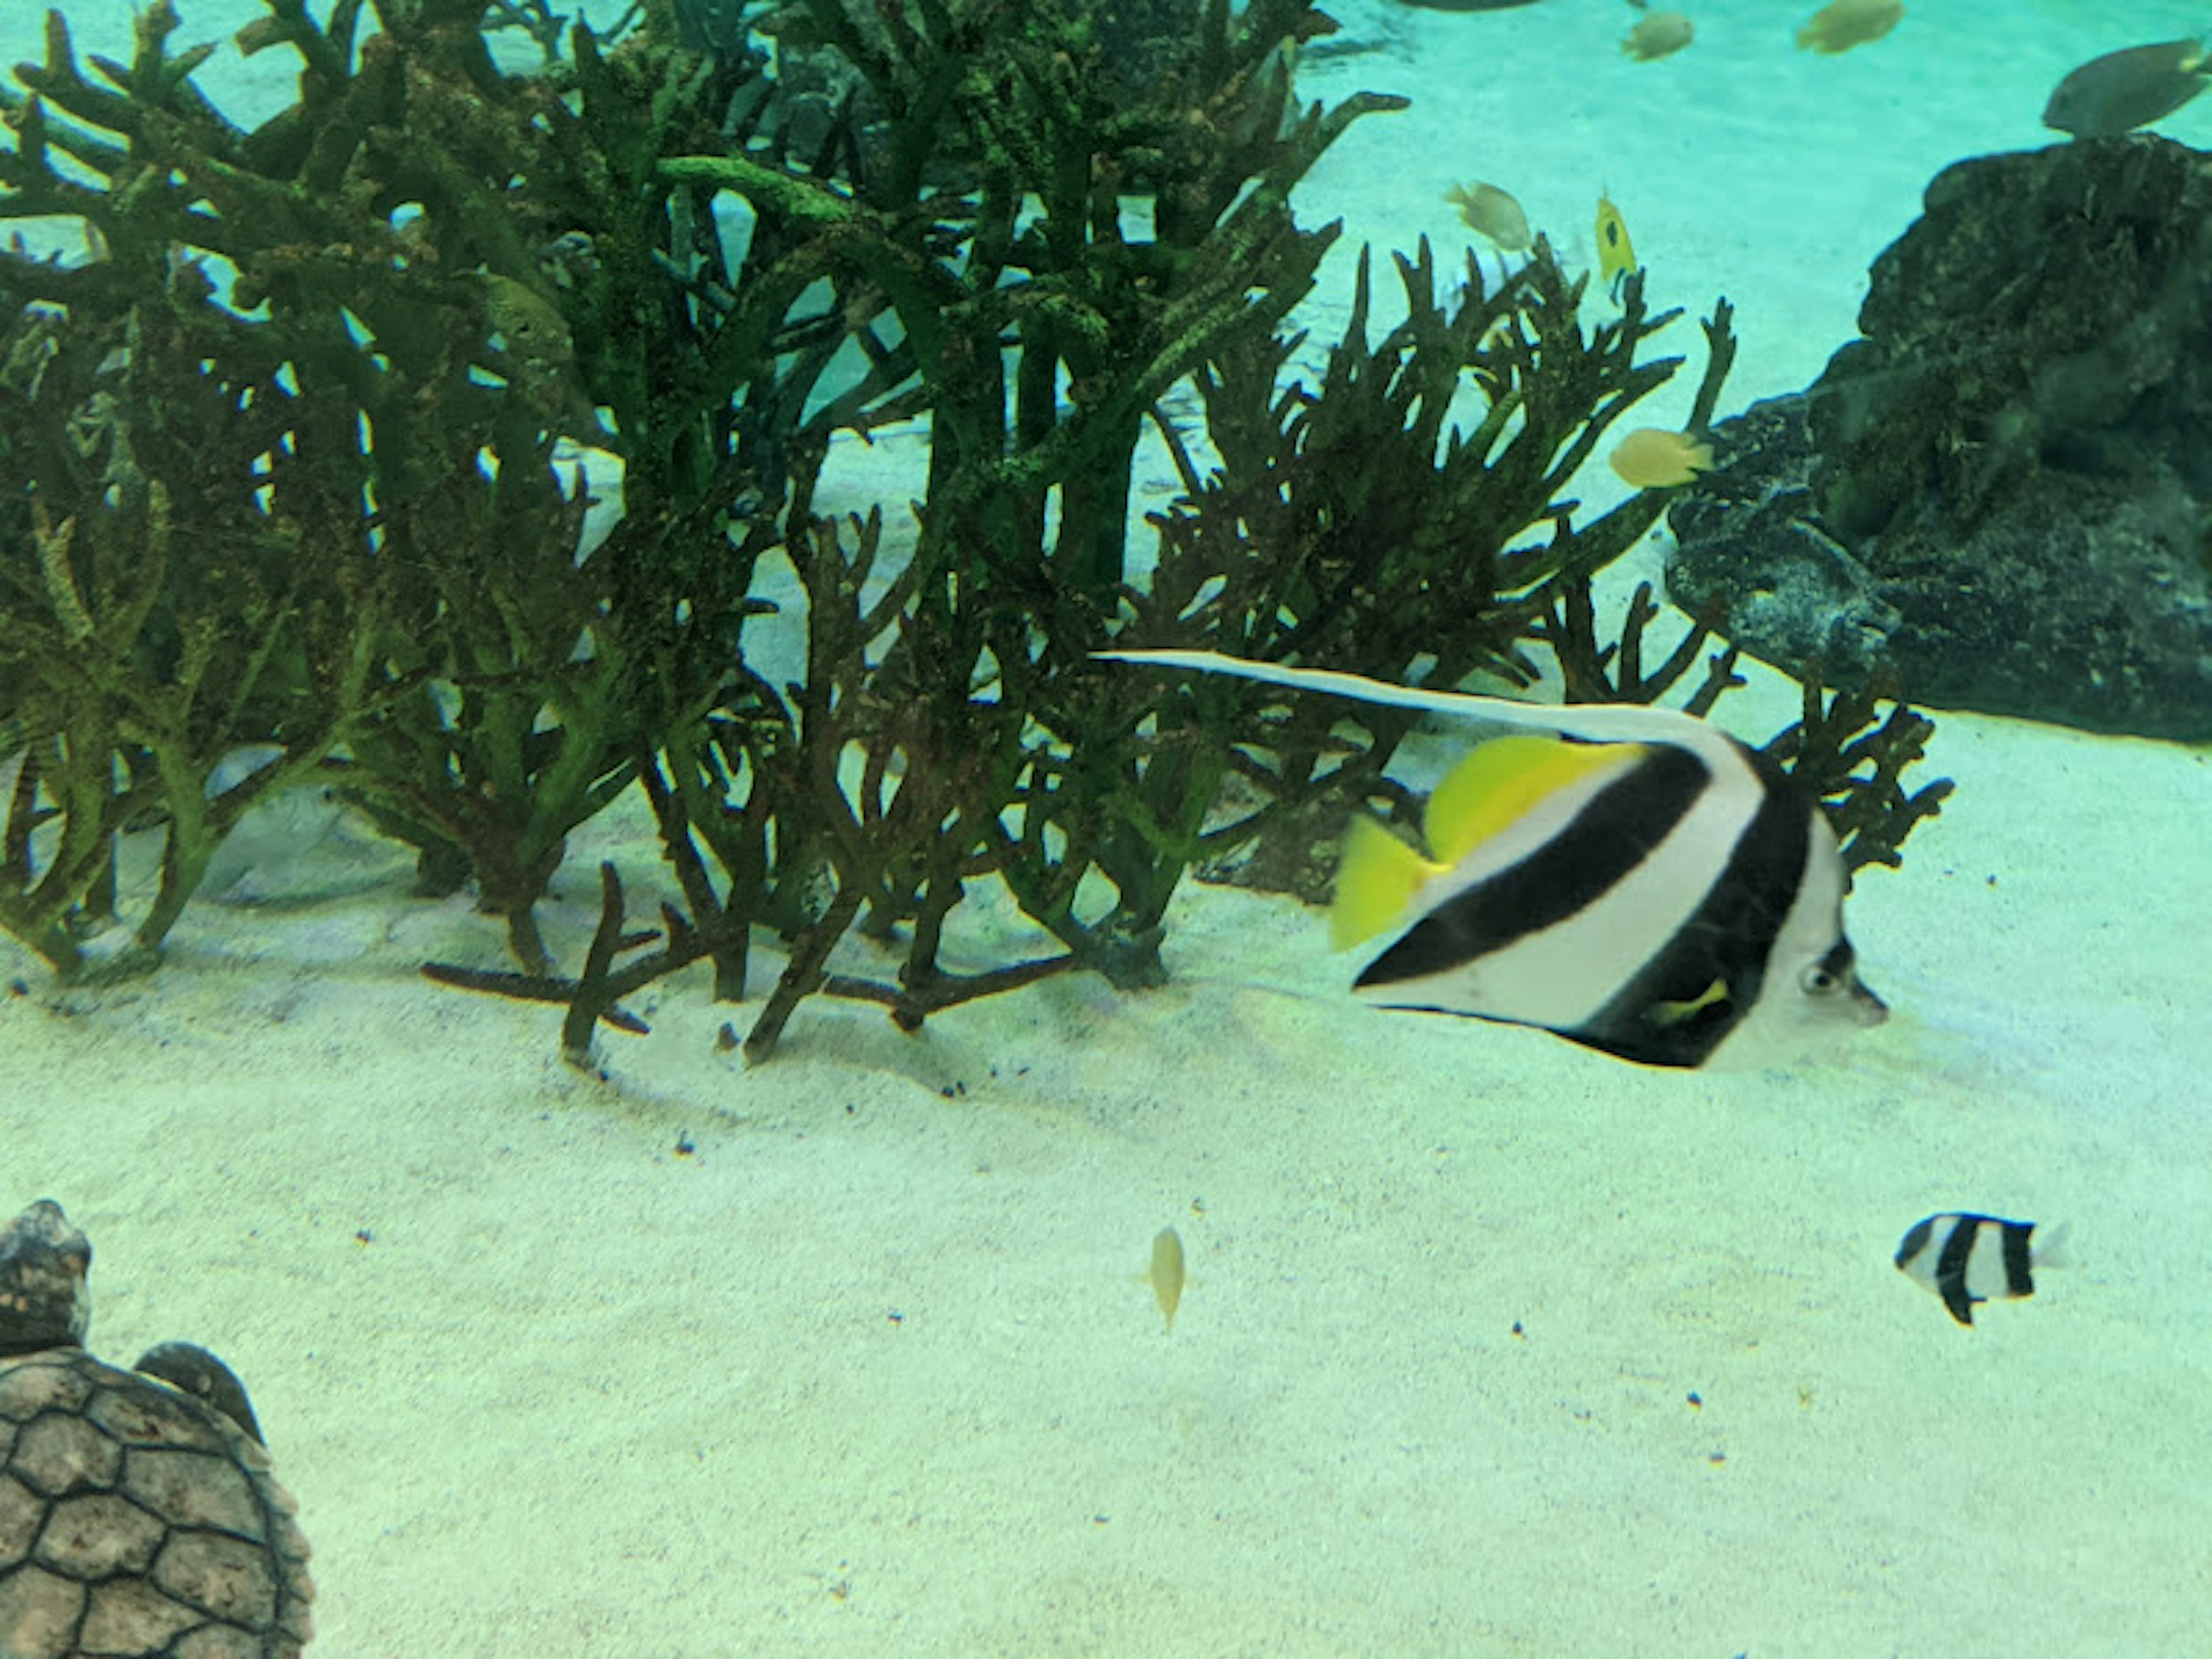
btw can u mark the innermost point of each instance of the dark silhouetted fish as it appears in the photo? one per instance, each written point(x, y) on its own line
point(2124, 90)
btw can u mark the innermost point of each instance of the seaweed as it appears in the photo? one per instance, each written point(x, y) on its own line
point(1405, 518)
point(1845, 750)
point(594, 996)
point(1593, 672)
point(368, 331)
point(1842, 751)
point(990, 179)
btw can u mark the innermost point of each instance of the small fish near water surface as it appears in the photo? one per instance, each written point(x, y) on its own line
point(2127, 89)
point(1843, 24)
point(1658, 35)
point(1968, 1259)
point(1633, 880)
point(1494, 215)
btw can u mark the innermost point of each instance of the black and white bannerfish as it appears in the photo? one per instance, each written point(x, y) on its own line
point(1966, 1259)
point(1652, 888)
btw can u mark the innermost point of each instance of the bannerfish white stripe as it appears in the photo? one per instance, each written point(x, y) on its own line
point(1965, 1259)
point(1656, 890)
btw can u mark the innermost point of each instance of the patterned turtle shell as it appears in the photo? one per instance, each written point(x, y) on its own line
point(138, 1515)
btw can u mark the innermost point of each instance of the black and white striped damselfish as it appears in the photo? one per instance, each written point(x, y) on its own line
point(1648, 887)
point(1966, 1259)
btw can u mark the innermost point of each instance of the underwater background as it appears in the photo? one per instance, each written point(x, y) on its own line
point(1489, 1344)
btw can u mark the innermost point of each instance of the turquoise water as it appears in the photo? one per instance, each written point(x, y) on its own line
point(1491, 1345)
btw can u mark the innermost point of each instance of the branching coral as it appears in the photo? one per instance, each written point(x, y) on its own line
point(176, 603)
point(1405, 517)
point(313, 445)
point(340, 357)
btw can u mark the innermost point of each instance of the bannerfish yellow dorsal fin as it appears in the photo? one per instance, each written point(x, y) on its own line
point(1376, 883)
point(1500, 781)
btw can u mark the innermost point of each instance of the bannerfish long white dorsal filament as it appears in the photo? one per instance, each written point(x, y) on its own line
point(1652, 888)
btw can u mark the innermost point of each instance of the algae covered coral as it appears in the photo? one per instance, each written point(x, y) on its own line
point(460, 439)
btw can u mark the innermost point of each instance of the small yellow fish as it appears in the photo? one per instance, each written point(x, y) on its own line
point(1843, 24)
point(1660, 34)
point(1616, 255)
point(1491, 212)
point(1651, 458)
point(1165, 1275)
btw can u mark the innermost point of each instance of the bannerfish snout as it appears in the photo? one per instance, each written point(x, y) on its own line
point(1868, 1010)
point(1834, 991)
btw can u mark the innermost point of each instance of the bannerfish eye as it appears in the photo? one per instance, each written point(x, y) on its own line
point(1832, 976)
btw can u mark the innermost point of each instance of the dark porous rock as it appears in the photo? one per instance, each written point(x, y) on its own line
point(2001, 497)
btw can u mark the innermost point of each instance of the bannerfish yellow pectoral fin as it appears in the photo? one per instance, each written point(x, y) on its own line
point(1500, 782)
point(1375, 883)
point(1678, 1013)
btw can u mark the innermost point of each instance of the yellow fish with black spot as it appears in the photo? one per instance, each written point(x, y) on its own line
point(1616, 254)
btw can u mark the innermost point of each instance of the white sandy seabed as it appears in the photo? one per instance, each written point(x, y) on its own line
point(1493, 1346)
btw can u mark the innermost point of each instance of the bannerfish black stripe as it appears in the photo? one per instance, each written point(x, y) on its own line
point(1973, 1258)
point(1644, 924)
point(1669, 1014)
point(1603, 843)
point(2018, 1258)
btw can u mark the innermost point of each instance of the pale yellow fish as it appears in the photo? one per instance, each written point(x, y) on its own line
point(1165, 1275)
point(1660, 34)
point(1843, 24)
point(1493, 213)
point(1651, 458)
